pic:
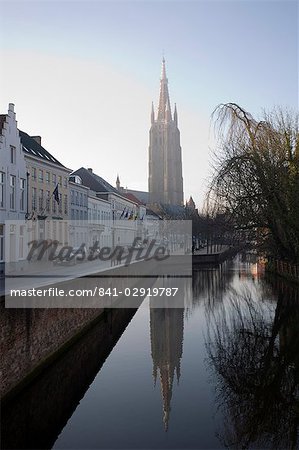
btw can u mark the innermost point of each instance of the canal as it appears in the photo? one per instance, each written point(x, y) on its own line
point(222, 372)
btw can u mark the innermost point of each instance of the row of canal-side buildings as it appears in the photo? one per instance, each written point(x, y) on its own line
point(40, 198)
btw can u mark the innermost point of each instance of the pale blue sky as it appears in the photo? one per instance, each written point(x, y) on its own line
point(216, 51)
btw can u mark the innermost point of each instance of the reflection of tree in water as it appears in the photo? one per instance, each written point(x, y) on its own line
point(253, 348)
point(210, 283)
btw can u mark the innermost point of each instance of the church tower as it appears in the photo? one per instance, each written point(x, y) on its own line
point(165, 153)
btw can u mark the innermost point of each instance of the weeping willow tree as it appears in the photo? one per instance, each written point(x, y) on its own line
point(256, 178)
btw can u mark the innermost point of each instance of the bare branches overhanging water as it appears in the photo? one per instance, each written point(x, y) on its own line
point(256, 176)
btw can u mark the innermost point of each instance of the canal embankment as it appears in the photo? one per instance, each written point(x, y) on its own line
point(213, 256)
point(33, 337)
point(56, 392)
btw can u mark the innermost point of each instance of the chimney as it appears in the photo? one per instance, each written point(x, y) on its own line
point(89, 169)
point(38, 139)
point(11, 107)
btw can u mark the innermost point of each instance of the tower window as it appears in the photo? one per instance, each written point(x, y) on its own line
point(12, 154)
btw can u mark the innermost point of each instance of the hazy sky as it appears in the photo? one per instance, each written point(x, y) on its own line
point(83, 75)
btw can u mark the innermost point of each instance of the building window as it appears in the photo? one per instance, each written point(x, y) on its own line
point(48, 201)
point(60, 180)
point(41, 199)
point(65, 182)
point(2, 189)
point(65, 233)
point(53, 205)
point(22, 194)
point(47, 177)
point(60, 232)
point(12, 242)
point(65, 204)
point(54, 232)
point(40, 175)
point(21, 242)
point(81, 199)
point(12, 154)
point(33, 198)
point(60, 203)
point(33, 173)
point(72, 196)
point(12, 192)
point(1, 242)
point(54, 179)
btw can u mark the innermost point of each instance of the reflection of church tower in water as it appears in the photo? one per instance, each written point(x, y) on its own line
point(167, 334)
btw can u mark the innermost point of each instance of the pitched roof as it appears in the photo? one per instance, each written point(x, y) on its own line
point(173, 211)
point(150, 212)
point(33, 148)
point(142, 196)
point(2, 120)
point(95, 182)
point(191, 202)
point(133, 198)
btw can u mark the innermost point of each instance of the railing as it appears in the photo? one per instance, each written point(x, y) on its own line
point(284, 268)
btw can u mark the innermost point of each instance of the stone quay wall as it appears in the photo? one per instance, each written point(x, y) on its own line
point(28, 337)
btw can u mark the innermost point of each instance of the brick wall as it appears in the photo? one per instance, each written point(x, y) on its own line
point(28, 336)
point(55, 394)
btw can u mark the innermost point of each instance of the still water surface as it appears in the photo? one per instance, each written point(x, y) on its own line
point(175, 377)
point(222, 372)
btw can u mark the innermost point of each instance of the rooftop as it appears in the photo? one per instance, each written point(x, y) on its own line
point(142, 196)
point(133, 198)
point(95, 182)
point(33, 148)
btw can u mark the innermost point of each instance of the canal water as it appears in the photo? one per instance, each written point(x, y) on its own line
point(222, 372)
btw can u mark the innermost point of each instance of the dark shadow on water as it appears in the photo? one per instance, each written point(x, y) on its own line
point(210, 283)
point(252, 349)
point(34, 419)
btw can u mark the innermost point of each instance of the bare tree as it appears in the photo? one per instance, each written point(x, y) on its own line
point(256, 179)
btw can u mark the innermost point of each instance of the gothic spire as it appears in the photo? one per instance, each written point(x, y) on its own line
point(163, 71)
point(153, 114)
point(164, 94)
point(167, 112)
point(175, 115)
point(117, 183)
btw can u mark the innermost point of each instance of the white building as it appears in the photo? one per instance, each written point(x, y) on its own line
point(99, 221)
point(13, 191)
point(78, 212)
point(48, 214)
point(151, 225)
point(90, 216)
point(124, 212)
